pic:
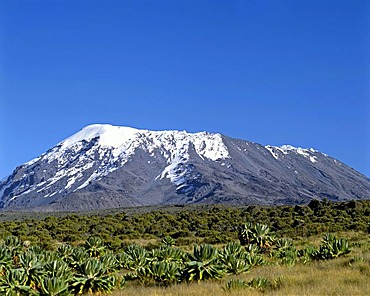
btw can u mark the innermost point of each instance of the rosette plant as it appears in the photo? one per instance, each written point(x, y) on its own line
point(204, 264)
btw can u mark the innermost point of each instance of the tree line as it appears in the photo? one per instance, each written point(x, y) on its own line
point(188, 225)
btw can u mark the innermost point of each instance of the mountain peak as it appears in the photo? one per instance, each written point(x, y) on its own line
point(109, 135)
point(104, 166)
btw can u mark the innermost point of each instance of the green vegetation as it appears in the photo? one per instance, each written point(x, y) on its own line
point(188, 224)
point(226, 249)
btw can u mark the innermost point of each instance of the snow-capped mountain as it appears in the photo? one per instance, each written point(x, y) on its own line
point(105, 166)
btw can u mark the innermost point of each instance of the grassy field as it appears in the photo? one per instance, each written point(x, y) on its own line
point(348, 275)
point(333, 277)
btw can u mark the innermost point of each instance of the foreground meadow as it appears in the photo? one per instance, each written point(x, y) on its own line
point(260, 263)
point(295, 253)
point(336, 277)
point(344, 275)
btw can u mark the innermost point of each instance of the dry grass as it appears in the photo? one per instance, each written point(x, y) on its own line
point(194, 289)
point(325, 278)
point(143, 242)
point(334, 277)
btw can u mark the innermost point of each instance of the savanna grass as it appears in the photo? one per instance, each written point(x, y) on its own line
point(331, 277)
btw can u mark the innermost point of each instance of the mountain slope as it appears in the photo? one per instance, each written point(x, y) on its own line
point(105, 166)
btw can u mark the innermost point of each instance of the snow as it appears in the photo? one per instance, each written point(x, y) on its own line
point(174, 173)
point(286, 149)
point(32, 161)
point(313, 158)
point(123, 141)
point(210, 146)
point(109, 135)
point(73, 179)
point(116, 144)
point(177, 145)
point(272, 151)
point(25, 192)
point(51, 194)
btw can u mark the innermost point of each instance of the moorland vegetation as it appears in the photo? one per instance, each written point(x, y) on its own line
point(321, 248)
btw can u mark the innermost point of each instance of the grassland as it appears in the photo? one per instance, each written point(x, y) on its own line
point(321, 278)
point(349, 275)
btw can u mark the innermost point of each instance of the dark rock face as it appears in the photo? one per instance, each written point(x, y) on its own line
point(171, 167)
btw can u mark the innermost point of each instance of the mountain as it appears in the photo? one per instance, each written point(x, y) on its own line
point(105, 166)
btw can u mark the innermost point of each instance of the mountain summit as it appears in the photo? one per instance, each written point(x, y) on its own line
point(105, 166)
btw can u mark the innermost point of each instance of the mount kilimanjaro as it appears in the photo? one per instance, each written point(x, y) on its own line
point(105, 166)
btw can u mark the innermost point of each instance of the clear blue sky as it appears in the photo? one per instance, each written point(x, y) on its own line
point(273, 72)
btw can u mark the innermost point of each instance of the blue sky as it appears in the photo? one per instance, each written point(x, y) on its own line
point(273, 72)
